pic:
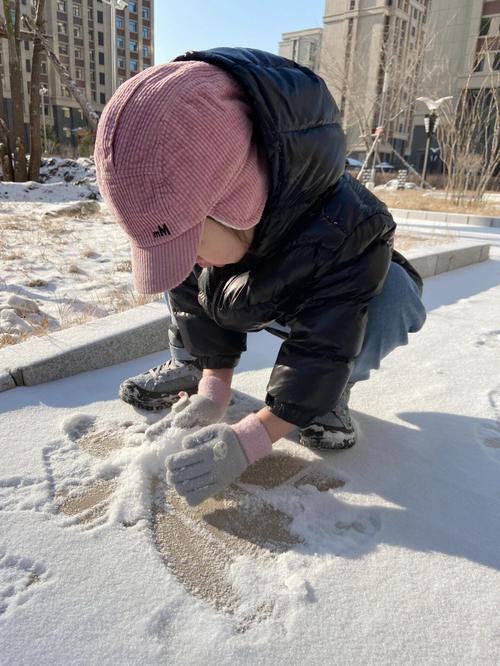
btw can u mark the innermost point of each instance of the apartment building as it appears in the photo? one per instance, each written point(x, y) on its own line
point(81, 34)
point(465, 55)
point(378, 56)
point(302, 46)
point(371, 61)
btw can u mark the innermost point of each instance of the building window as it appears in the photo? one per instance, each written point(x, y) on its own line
point(120, 81)
point(100, 18)
point(119, 22)
point(78, 52)
point(101, 58)
point(77, 10)
point(479, 64)
point(120, 42)
point(43, 67)
point(132, 7)
point(100, 38)
point(133, 65)
point(92, 76)
point(79, 73)
point(61, 6)
point(145, 12)
point(77, 31)
point(352, 4)
point(92, 55)
point(145, 32)
point(61, 28)
point(26, 45)
point(496, 61)
point(121, 63)
point(63, 49)
point(66, 112)
point(67, 132)
point(145, 52)
point(91, 14)
point(413, 31)
point(133, 45)
point(28, 65)
point(485, 27)
point(102, 79)
point(132, 26)
point(103, 98)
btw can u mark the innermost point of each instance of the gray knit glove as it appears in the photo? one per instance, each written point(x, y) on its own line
point(213, 459)
point(196, 411)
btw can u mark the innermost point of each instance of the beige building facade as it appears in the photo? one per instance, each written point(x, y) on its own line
point(378, 56)
point(302, 46)
point(80, 33)
point(371, 60)
point(465, 55)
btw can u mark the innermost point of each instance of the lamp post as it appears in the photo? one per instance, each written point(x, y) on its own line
point(43, 92)
point(431, 122)
point(115, 4)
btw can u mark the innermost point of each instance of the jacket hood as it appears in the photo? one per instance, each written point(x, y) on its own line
point(297, 127)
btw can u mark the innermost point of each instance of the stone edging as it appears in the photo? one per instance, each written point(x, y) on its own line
point(442, 216)
point(144, 330)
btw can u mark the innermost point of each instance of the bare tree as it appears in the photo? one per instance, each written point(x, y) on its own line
point(16, 87)
point(35, 139)
point(469, 132)
point(389, 104)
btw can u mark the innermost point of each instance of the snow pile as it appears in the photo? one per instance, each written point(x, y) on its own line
point(61, 179)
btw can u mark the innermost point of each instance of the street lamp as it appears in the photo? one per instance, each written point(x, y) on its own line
point(115, 4)
point(431, 122)
point(43, 92)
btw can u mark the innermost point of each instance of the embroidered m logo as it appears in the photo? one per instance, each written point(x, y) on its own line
point(162, 230)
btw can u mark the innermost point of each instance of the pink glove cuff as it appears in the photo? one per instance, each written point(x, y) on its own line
point(215, 389)
point(253, 437)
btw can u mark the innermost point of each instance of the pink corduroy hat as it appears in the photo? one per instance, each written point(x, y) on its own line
point(175, 145)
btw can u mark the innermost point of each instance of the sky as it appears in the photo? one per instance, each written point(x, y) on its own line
point(203, 24)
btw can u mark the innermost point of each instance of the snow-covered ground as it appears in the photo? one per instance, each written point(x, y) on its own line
point(61, 252)
point(63, 260)
point(387, 553)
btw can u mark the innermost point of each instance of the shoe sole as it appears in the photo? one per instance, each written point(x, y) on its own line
point(326, 445)
point(154, 404)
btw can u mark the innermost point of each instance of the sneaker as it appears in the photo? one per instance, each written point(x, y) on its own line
point(159, 387)
point(333, 430)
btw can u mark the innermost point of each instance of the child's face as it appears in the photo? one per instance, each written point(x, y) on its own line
point(220, 245)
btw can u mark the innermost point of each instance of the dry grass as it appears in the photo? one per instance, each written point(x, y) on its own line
point(38, 330)
point(123, 267)
point(119, 299)
point(405, 242)
point(73, 269)
point(36, 282)
point(88, 253)
point(11, 256)
point(419, 201)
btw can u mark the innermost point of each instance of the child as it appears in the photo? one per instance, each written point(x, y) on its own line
point(226, 169)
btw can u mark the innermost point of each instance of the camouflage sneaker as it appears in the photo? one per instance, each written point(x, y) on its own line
point(333, 430)
point(158, 388)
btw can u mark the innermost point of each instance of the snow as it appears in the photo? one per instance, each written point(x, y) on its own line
point(397, 563)
point(63, 254)
point(60, 251)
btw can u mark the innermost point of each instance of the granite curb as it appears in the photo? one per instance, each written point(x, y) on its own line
point(144, 330)
point(452, 218)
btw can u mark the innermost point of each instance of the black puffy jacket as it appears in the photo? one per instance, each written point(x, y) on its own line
point(320, 253)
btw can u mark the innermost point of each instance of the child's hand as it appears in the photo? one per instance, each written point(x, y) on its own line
point(195, 411)
point(214, 458)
